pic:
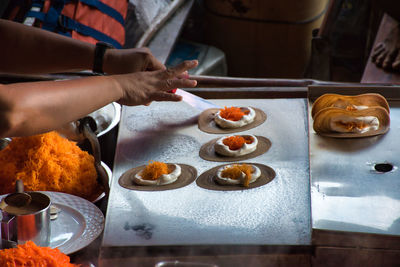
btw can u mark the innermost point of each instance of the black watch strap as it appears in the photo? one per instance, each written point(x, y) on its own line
point(99, 52)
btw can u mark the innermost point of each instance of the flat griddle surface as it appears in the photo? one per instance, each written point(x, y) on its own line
point(277, 213)
point(348, 193)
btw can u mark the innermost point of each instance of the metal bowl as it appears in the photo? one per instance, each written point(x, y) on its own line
point(109, 175)
point(106, 118)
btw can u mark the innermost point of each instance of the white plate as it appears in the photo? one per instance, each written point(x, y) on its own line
point(78, 224)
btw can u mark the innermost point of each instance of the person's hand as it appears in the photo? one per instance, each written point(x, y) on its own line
point(386, 53)
point(141, 88)
point(121, 61)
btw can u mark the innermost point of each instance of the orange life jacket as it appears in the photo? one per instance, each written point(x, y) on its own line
point(86, 20)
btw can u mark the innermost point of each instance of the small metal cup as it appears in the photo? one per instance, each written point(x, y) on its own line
point(30, 222)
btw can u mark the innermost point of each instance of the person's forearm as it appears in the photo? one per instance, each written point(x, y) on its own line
point(31, 108)
point(26, 49)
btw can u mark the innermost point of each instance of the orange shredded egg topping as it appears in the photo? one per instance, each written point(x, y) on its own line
point(235, 172)
point(29, 254)
point(232, 113)
point(154, 170)
point(236, 142)
point(351, 108)
point(48, 162)
point(349, 126)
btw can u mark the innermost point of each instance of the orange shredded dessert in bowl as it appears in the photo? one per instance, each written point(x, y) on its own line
point(157, 173)
point(48, 162)
point(29, 254)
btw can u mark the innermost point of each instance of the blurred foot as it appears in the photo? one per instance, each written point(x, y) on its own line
point(386, 54)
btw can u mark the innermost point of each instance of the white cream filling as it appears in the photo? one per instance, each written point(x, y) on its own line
point(339, 124)
point(246, 119)
point(162, 180)
point(359, 107)
point(255, 174)
point(354, 107)
point(224, 150)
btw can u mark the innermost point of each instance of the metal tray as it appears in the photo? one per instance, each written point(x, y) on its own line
point(275, 214)
point(355, 185)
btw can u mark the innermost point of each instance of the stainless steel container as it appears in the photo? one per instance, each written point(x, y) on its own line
point(30, 222)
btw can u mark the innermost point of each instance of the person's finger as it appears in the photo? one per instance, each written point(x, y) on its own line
point(379, 46)
point(184, 75)
point(173, 72)
point(396, 62)
point(387, 63)
point(185, 83)
point(170, 84)
point(164, 96)
point(379, 60)
point(376, 53)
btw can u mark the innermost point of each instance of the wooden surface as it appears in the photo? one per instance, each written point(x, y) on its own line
point(282, 260)
point(354, 257)
point(215, 256)
point(373, 74)
point(250, 92)
point(263, 38)
point(354, 240)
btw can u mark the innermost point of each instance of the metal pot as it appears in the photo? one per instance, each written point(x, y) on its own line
point(29, 222)
point(105, 118)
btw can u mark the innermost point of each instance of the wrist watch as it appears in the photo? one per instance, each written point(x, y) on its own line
point(99, 52)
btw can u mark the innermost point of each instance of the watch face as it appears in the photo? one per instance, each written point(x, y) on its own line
point(99, 51)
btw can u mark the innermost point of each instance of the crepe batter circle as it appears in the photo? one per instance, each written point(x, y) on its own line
point(207, 124)
point(206, 179)
point(207, 151)
point(188, 175)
